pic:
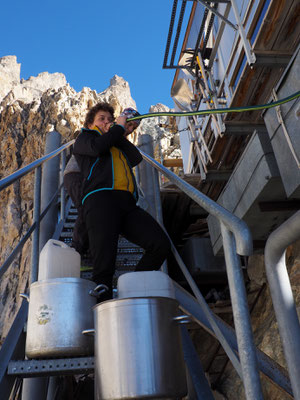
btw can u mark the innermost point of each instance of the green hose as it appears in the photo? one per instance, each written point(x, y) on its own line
point(218, 110)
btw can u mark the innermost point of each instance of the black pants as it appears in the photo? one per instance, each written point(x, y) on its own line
point(109, 213)
point(73, 185)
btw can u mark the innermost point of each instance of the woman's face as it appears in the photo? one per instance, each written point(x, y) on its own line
point(103, 121)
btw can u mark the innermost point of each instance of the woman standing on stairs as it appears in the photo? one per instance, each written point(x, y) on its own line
point(106, 158)
point(73, 181)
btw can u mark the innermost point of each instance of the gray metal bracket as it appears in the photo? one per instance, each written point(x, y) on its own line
point(51, 367)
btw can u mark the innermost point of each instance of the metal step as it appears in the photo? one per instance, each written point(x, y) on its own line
point(67, 234)
point(128, 254)
point(69, 225)
point(127, 259)
point(71, 217)
point(49, 367)
point(124, 243)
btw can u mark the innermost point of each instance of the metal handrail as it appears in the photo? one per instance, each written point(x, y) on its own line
point(282, 295)
point(235, 225)
point(229, 223)
point(236, 240)
point(10, 179)
point(14, 337)
point(20, 245)
point(270, 368)
point(207, 311)
point(7, 181)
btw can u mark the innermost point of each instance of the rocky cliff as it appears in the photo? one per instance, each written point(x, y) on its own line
point(29, 109)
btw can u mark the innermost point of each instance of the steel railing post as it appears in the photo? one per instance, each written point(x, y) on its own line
point(200, 384)
point(151, 186)
point(37, 388)
point(241, 316)
point(237, 226)
point(146, 173)
point(62, 192)
point(282, 295)
point(236, 240)
point(49, 186)
point(36, 220)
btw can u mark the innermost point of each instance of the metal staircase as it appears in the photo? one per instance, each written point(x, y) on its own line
point(236, 240)
point(128, 254)
point(127, 257)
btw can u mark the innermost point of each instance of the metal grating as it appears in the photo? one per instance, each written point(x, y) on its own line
point(60, 366)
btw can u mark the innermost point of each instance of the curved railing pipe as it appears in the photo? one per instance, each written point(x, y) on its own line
point(8, 180)
point(238, 227)
point(14, 339)
point(282, 295)
point(236, 240)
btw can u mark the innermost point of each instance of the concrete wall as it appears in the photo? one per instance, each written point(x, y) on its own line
point(255, 180)
point(289, 165)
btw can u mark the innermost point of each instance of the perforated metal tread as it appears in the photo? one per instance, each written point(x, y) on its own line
point(128, 253)
point(59, 366)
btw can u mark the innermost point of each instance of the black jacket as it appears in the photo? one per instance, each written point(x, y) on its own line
point(92, 152)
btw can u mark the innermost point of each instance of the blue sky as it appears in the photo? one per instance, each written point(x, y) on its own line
point(90, 41)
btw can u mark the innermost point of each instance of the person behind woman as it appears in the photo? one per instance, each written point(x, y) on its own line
point(106, 159)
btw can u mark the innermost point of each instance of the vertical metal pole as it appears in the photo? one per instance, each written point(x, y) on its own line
point(194, 140)
point(36, 233)
point(200, 384)
point(50, 179)
point(216, 118)
point(282, 295)
point(145, 143)
point(248, 51)
point(161, 157)
point(52, 387)
point(214, 89)
point(36, 388)
point(158, 208)
point(218, 38)
point(241, 315)
point(150, 184)
point(62, 192)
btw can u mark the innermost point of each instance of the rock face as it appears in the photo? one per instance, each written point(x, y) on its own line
point(29, 109)
point(9, 74)
point(168, 140)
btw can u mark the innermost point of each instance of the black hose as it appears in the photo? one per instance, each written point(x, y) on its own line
point(218, 110)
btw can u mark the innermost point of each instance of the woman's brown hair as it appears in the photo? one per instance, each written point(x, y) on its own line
point(90, 116)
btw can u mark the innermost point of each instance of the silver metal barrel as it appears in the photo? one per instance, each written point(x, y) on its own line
point(138, 349)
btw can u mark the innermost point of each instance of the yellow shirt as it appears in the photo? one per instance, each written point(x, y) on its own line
point(122, 174)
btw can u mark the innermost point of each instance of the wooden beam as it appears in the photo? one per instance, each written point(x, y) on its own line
point(173, 162)
point(266, 206)
point(244, 128)
point(212, 176)
point(273, 58)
